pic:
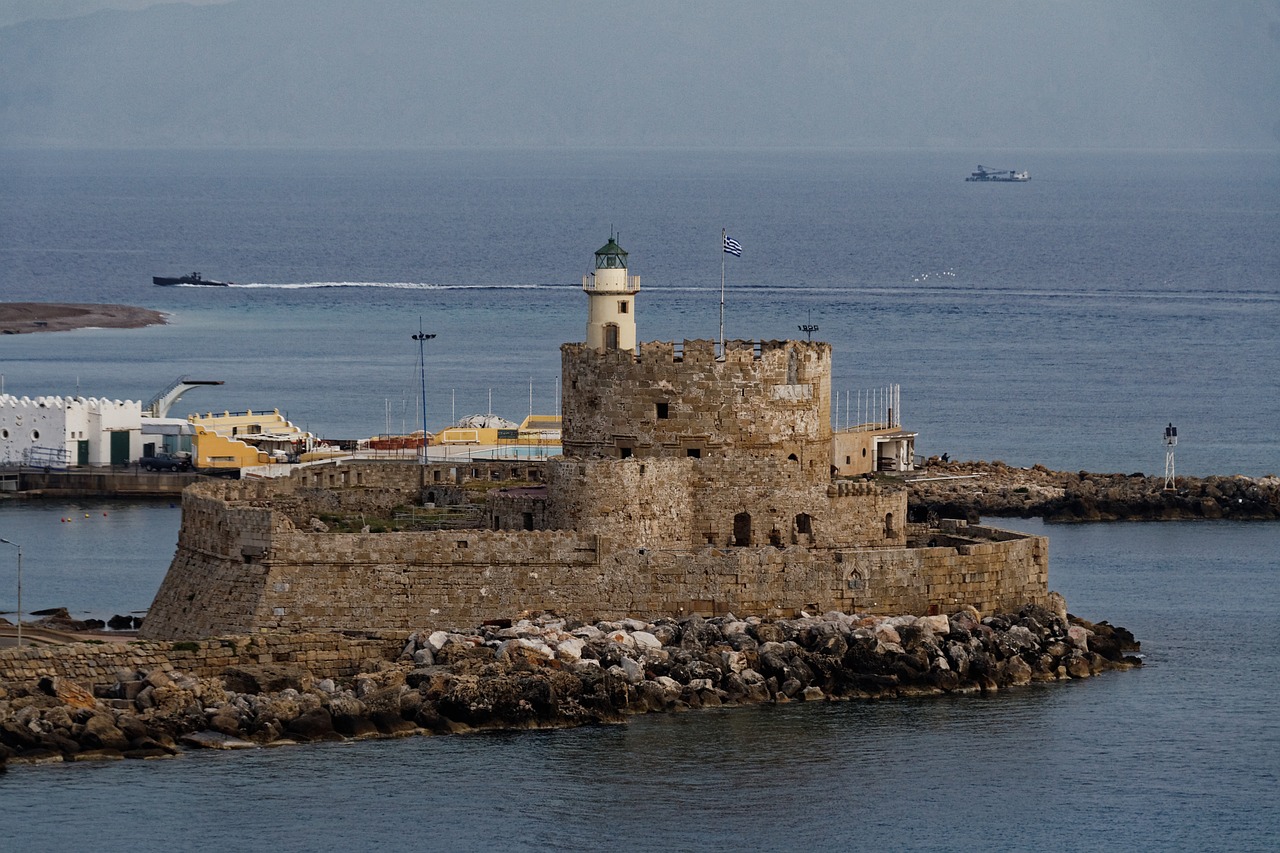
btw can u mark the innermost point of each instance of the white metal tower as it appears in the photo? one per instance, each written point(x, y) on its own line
point(1170, 442)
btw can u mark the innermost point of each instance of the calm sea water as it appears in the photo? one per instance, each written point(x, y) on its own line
point(1183, 754)
point(1062, 321)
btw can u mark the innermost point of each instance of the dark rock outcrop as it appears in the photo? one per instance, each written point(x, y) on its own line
point(967, 490)
point(548, 673)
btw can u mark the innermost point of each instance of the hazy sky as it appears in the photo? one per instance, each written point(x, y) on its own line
point(984, 74)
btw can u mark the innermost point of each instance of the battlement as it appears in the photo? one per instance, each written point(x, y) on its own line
point(91, 404)
point(702, 351)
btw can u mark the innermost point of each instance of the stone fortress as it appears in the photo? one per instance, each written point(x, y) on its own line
point(695, 478)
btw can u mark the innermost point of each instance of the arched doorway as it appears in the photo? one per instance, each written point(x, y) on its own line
point(742, 528)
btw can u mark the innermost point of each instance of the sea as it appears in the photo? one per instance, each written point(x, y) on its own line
point(1065, 321)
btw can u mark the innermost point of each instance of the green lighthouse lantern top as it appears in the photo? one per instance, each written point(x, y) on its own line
point(611, 256)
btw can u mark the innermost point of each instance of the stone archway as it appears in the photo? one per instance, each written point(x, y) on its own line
point(742, 529)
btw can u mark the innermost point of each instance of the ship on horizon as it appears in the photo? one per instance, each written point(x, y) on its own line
point(1002, 175)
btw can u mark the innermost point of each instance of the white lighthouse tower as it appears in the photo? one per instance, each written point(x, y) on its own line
point(611, 318)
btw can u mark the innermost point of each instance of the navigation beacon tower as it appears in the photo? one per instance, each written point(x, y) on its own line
point(611, 318)
point(1170, 442)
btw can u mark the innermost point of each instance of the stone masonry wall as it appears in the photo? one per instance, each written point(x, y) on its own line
point(326, 655)
point(247, 569)
point(772, 398)
point(643, 502)
point(690, 503)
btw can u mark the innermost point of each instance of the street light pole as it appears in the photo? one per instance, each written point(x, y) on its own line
point(19, 547)
point(422, 339)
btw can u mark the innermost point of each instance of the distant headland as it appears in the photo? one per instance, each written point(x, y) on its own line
point(17, 318)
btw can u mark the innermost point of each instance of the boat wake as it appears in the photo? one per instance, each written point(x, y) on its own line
point(393, 285)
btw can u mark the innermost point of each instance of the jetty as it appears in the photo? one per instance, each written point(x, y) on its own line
point(969, 490)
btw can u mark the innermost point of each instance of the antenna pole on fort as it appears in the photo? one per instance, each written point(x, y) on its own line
point(422, 339)
point(1170, 442)
point(808, 328)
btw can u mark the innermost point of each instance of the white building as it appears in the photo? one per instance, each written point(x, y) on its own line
point(62, 431)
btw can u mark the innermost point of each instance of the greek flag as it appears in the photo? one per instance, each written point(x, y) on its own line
point(732, 246)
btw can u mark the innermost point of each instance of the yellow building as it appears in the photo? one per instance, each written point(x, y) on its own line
point(535, 430)
point(241, 439)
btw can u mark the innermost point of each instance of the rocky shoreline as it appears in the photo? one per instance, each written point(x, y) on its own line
point(969, 490)
point(546, 673)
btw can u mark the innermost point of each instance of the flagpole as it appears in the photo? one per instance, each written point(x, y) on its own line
point(724, 234)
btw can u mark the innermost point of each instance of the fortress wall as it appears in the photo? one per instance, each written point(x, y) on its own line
point(215, 583)
point(683, 502)
point(246, 569)
point(326, 655)
point(775, 492)
point(641, 502)
point(409, 476)
point(440, 578)
point(776, 401)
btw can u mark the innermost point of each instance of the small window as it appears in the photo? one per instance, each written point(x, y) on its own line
point(693, 453)
point(622, 307)
point(847, 460)
point(624, 452)
point(864, 453)
point(662, 411)
point(35, 435)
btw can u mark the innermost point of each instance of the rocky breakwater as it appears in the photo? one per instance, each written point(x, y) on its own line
point(548, 673)
point(972, 489)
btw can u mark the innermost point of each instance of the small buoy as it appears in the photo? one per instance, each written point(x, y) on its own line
point(86, 515)
point(104, 515)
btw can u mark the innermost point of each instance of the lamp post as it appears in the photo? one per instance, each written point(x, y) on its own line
point(1170, 442)
point(19, 547)
point(422, 339)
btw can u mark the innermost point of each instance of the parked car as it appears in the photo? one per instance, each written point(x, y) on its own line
point(166, 462)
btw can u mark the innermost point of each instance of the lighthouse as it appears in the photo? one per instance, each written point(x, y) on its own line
point(611, 318)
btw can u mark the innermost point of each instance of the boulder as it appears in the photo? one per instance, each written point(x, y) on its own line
point(1016, 671)
point(644, 640)
point(68, 692)
point(101, 733)
point(215, 740)
point(314, 725)
point(266, 678)
point(570, 648)
point(939, 624)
